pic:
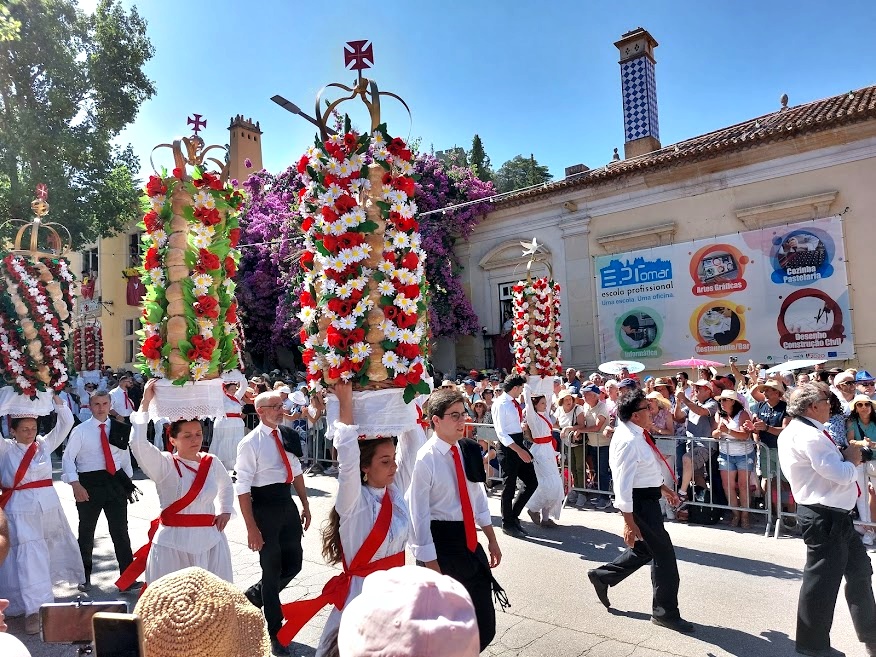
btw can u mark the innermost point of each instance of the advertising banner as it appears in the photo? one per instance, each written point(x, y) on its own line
point(768, 295)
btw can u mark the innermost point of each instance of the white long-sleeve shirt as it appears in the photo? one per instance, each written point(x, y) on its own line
point(259, 462)
point(633, 464)
point(120, 402)
point(215, 498)
point(11, 455)
point(434, 495)
point(506, 418)
point(409, 444)
point(84, 452)
point(815, 467)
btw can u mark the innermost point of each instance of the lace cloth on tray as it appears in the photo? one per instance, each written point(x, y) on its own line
point(188, 401)
point(377, 412)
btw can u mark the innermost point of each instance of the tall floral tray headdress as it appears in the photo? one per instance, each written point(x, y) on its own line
point(536, 334)
point(190, 236)
point(36, 313)
point(364, 307)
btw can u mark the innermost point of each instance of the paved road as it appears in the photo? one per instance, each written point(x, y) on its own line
point(739, 588)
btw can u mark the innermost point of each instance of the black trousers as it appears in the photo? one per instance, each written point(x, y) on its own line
point(512, 469)
point(281, 556)
point(471, 569)
point(833, 550)
point(104, 495)
point(655, 548)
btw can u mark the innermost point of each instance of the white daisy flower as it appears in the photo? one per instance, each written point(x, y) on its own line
point(347, 323)
point(386, 267)
point(199, 369)
point(333, 358)
point(307, 315)
point(385, 288)
point(377, 139)
point(390, 360)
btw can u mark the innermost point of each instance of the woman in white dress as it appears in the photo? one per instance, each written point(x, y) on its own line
point(366, 473)
point(179, 541)
point(546, 503)
point(44, 551)
point(229, 429)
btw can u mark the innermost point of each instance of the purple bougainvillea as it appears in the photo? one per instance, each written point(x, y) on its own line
point(269, 275)
point(268, 271)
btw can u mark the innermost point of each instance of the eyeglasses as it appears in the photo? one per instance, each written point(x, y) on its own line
point(272, 406)
point(643, 408)
point(862, 404)
point(456, 417)
point(868, 383)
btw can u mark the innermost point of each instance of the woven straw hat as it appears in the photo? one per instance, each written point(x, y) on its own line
point(194, 613)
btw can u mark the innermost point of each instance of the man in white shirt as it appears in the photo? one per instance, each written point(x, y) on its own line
point(266, 473)
point(89, 465)
point(639, 472)
point(823, 480)
point(121, 404)
point(595, 420)
point(514, 459)
point(444, 507)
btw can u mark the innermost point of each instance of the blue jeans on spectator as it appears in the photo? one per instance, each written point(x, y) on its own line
point(599, 458)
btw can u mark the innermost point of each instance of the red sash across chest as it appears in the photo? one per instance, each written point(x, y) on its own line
point(336, 590)
point(171, 517)
point(19, 475)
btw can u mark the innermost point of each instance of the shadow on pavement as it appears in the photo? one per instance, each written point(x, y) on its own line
point(600, 546)
point(734, 642)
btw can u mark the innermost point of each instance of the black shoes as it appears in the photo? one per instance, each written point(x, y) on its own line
point(85, 587)
point(601, 588)
point(136, 586)
point(513, 528)
point(821, 652)
point(278, 649)
point(677, 624)
point(253, 598)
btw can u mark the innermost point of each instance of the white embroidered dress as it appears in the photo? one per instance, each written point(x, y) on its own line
point(175, 548)
point(43, 548)
point(548, 496)
point(228, 430)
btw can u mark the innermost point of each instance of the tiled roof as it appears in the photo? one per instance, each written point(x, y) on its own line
point(784, 124)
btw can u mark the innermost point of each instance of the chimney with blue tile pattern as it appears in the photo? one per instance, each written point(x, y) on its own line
point(639, 91)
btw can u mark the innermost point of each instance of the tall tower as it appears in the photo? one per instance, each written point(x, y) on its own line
point(245, 142)
point(639, 91)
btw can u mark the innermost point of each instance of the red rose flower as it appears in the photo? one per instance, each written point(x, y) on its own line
point(330, 242)
point(333, 337)
point(306, 299)
point(345, 203)
point(307, 355)
point(330, 179)
point(351, 141)
point(207, 306)
point(357, 335)
point(207, 261)
point(306, 259)
point(208, 216)
point(231, 313)
point(409, 351)
point(151, 261)
point(387, 178)
point(178, 173)
point(307, 224)
point(234, 236)
point(152, 221)
point(411, 291)
point(340, 306)
point(230, 267)
point(329, 215)
point(396, 146)
point(302, 164)
point(302, 336)
point(404, 184)
point(356, 296)
point(410, 261)
point(400, 381)
point(405, 320)
point(349, 240)
point(415, 373)
point(391, 312)
point(155, 186)
point(151, 348)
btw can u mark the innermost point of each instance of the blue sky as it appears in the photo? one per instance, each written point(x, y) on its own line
point(529, 77)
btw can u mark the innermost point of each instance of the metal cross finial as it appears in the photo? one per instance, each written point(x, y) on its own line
point(356, 53)
point(42, 191)
point(197, 123)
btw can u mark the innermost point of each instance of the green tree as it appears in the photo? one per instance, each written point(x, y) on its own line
point(69, 84)
point(520, 172)
point(9, 27)
point(479, 160)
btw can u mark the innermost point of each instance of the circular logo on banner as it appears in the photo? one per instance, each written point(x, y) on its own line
point(717, 270)
point(719, 328)
point(802, 257)
point(638, 332)
point(810, 319)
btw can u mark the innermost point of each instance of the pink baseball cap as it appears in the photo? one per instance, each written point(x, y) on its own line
point(409, 611)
